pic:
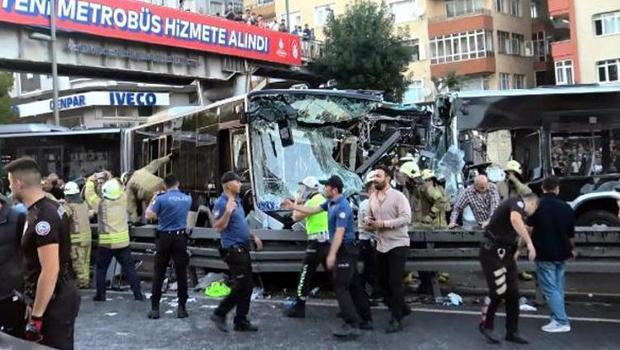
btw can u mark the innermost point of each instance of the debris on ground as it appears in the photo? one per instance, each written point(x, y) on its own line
point(453, 299)
point(205, 281)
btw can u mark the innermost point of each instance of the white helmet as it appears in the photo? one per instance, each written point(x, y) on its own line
point(310, 182)
point(112, 189)
point(71, 188)
point(370, 177)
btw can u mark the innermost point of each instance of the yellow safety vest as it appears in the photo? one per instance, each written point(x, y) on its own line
point(112, 222)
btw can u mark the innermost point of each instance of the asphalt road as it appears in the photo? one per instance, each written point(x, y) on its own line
point(121, 323)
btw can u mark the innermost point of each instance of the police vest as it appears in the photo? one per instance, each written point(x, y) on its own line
point(316, 223)
point(112, 220)
point(80, 223)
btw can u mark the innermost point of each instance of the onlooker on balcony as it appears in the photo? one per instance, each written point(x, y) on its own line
point(282, 26)
point(230, 12)
point(307, 33)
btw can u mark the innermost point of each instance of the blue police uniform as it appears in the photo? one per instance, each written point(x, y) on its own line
point(172, 208)
point(352, 299)
point(235, 243)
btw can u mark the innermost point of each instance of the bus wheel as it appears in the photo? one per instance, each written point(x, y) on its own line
point(599, 218)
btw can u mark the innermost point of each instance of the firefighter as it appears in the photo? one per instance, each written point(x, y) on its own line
point(113, 233)
point(318, 242)
point(142, 185)
point(436, 202)
point(92, 189)
point(50, 293)
point(512, 185)
point(81, 238)
point(411, 189)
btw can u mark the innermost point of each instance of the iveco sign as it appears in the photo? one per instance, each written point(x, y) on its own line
point(95, 98)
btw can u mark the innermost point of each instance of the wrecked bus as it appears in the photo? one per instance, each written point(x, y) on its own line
point(570, 132)
point(275, 138)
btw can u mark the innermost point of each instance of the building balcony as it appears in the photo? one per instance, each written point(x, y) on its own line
point(557, 7)
point(311, 50)
point(563, 49)
point(443, 25)
point(267, 9)
point(483, 65)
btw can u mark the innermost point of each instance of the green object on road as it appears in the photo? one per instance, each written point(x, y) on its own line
point(217, 290)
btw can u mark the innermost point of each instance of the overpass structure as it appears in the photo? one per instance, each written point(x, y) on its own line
point(137, 41)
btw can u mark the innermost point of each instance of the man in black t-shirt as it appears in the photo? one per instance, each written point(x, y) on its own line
point(497, 257)
point(46, 247)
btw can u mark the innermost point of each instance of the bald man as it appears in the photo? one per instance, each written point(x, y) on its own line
point(482, 198)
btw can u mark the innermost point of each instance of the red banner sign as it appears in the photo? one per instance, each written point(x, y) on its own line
point(146, 23)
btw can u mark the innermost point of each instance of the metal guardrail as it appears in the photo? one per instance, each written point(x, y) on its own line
point(431, 250)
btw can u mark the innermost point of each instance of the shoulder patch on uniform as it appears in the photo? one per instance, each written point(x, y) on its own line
point(520, 204)
point(216, 213)
point(342, 215)
point(43, 228)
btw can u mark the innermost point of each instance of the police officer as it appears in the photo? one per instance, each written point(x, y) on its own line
point(235, 234)
point(11, 229)
point(142, 185)
point(81, 237)
point(46, 246)
point(342, 258)
point(113, 234)
point(499, 264)
point(318, 242)
point(170, 208)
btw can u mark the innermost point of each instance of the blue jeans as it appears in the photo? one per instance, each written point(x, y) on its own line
point(123, 256)
point(551, 280)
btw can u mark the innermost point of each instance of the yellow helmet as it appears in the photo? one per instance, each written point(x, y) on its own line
point(112, 189)
point(513, 165)
point(410, 169)
point(428, 174)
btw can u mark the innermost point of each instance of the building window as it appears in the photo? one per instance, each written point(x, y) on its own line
point(533, 9)
point(403, 11)
point(518, 81)
point(503, 40)
point(564, 72)
point(607, 23)
point(415, 92)
point(456, 8)
point(295, 18)
point(541, 50)
point(510, 43)
point(515, 8)
point(499, 6)
point(517, 43)
point(608, 70)
point(414, 44)
point(461, 46)
point(321, 13)
point(504, 81)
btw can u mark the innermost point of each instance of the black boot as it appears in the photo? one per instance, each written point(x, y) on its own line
point(394, 326)
point(515, 338)
point(346, 332)
point(220, 322)
point(154, 313)
point(245, 326)
point(488, 334)
point(182, 312)
point(297, 310)
point(99, 298)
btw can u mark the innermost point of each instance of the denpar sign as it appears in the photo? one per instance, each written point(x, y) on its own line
point(95, 98)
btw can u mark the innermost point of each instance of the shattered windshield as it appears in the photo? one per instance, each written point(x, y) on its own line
point(282, 168)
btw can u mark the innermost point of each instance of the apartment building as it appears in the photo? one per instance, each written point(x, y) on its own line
point(586, 47)
point(487, 43)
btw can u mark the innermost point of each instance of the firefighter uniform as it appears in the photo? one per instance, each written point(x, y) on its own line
point(113, 233)
point(81, 237)
point(47, 223)
point(436, 203)
point(316, 251)
point(142, 186)
point(510, 188)
point(411, 189)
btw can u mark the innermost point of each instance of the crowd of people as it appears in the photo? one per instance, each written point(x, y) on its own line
point(56, 240)
point(251, 18)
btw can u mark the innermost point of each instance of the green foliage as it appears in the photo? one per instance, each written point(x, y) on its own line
point(7, 115)
point(362, 51)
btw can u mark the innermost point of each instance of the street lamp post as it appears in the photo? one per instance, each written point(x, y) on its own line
point(288, 17)
point(54, 62)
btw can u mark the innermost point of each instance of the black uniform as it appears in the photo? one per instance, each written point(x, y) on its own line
point(11, 229)
point(499, 266)
point(46, 224)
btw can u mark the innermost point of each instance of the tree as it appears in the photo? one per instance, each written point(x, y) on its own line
point(7, 114)
point(362, 51)
point(450, 82)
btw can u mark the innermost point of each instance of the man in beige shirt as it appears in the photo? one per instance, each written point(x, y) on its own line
point(389, 216)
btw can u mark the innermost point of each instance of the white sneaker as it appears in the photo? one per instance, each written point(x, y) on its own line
point(554, 327)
